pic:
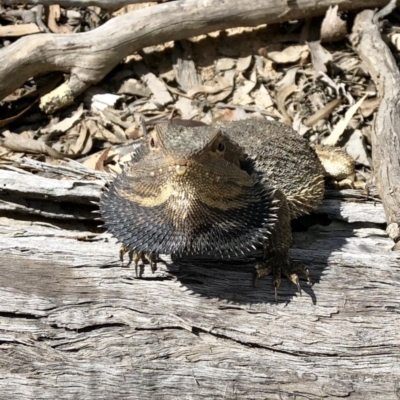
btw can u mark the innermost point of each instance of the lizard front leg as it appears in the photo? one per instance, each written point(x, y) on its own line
point(276, 251)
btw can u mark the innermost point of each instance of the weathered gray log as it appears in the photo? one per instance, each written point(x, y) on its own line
point(382, 66)
point(106, 4)
point(24, 193)
point(75, 324)
point(89, 56)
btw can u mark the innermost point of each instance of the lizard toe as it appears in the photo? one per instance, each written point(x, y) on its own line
point(293, 271)
point(136, 257)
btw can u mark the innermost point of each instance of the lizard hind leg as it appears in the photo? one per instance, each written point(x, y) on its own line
point(339, 167)
point(276, 252)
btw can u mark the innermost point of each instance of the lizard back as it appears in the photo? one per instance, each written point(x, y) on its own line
point(282, 159)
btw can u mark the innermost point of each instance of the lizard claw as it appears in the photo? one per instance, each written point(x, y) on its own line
point(277, 283)
point(261, 270)
point(293, 271)
point(298, 268)
point(295, 279)
point(152, 259)
point(137, 256)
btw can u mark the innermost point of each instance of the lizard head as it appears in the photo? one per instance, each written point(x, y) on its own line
point(184, 192)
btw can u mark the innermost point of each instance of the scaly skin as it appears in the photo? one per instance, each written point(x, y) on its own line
point(223, 189)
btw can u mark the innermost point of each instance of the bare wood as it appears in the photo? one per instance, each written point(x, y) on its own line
point(18, 30)
point(74, 324)
point(18, 185)
point(90, 56)
point(367, 41)
point(56, 198)
point(106, 4)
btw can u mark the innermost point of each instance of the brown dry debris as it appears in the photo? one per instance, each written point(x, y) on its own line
point(319, 89)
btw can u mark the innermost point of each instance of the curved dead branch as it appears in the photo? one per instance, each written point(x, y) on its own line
point(382, 66)
point(89, 56)
point(106, 4)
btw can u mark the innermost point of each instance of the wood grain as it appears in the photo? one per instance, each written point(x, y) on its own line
point(74, 323)
point(382, 66)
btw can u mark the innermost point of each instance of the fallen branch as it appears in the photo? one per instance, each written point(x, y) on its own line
point(88, 57)
point(106, 4)
point(381, 65)
point(57, 198)
point(74, 324)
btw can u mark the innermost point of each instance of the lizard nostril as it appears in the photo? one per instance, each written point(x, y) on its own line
point(181, 169)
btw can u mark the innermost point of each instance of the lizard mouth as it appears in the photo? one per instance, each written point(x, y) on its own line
point(225, 218)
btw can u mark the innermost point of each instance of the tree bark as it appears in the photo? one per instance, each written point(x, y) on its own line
point(75, 324)
point(89, 56)
point(381, 65)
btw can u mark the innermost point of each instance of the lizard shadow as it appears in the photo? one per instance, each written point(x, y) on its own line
point(231, 280)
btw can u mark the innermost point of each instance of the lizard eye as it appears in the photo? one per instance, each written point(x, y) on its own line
point(153, 143)
point(221, 147)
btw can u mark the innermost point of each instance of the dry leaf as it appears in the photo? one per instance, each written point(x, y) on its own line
point(103, 100)
point(290, 54)
point(340, 127)
point(97, 160)
point(84, 142)
point(4, 122)
point(224, 64)
point(106, 135)
point(134, 87)
point(66, 124)
point(15, 142)
point(102, 159)
point(133, 132)
point(119, 133)
point(222, 85)
point(319, 56)
point(333, 28)
point(244, 86)
point(288, 80)
point(239, 114)
point(395, 39)
point(185, 106)
point(281, 97)
point(161, 96)
point(262, 98)
point(370, 106)
point(323, 112)
point(242, 99)
point(110, 115)
point(355, 148)
point(222, 90)
point(216, 98)
point(244, 63)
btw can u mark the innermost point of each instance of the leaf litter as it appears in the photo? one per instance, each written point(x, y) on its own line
point(316, 84)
